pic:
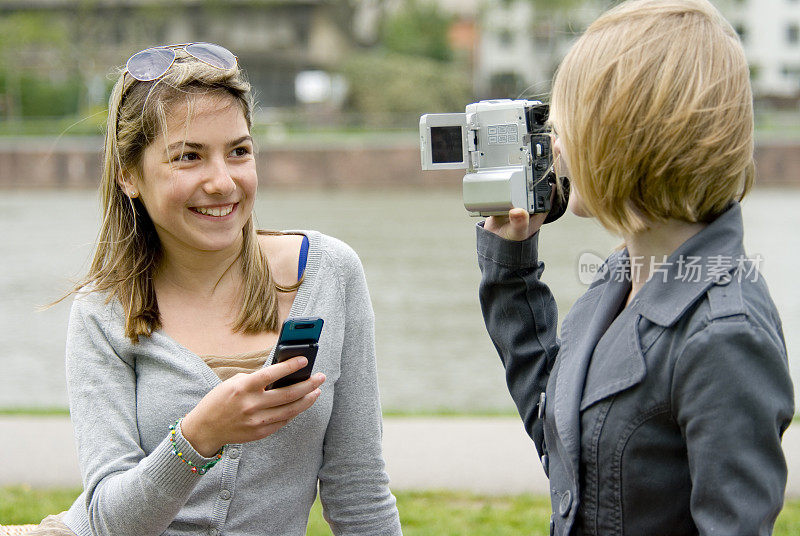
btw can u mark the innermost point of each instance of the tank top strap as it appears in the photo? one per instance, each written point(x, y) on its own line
point(301, 265)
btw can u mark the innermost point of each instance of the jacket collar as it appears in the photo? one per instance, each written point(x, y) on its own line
point(583, 327)
point(703, 260)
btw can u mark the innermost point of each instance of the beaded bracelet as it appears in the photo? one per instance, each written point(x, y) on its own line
point(194, 468)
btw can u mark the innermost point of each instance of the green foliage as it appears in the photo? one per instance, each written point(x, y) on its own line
point(418, 29)
point(559, 5)
point(41, 97)
point(382, 85)
point(23, 29)
point(29, 35)
point(38, 96)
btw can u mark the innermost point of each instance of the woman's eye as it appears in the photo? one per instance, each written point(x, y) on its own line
point(241, 151)
point(186, 157)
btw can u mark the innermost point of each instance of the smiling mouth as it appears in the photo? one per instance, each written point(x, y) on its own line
point(217, 212)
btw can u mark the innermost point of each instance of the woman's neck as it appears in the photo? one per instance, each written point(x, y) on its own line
point(650, 248)
point(202, 275)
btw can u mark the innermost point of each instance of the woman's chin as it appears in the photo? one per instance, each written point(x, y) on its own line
point(576, 207)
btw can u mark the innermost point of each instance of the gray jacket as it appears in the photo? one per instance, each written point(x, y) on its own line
point(664, 417)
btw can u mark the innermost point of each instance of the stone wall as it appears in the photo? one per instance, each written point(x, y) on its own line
point(76, 164)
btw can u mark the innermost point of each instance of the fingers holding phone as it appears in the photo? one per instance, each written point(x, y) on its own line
point(240, 410)
point(248, 407)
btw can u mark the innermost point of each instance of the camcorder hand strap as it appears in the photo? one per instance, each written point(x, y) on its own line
point(559, 206)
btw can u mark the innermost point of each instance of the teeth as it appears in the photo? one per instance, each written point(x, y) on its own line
point(216, 211)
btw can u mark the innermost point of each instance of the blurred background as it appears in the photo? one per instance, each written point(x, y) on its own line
point(340, 86)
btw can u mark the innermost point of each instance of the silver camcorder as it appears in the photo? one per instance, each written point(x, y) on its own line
point(504, 145)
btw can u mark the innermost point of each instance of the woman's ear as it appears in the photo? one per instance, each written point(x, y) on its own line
point(127, 181)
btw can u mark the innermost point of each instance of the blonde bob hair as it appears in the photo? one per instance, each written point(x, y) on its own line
point(654, 110)
point(128, 249)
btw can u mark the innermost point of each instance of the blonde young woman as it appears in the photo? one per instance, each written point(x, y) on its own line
point(170, 336)
point(659, 409)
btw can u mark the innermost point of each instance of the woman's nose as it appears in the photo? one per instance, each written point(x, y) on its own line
point(219, 181)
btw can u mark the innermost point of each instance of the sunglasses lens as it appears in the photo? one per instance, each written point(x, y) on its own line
point(150, 64)
point(212, 54)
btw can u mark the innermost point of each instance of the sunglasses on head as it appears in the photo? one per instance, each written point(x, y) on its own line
point(152, 63)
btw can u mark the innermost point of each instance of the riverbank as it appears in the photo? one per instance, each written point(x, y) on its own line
point(485, 455)
point(377, 161)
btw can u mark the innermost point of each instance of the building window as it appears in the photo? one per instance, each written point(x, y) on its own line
point(791, 71)
point(506, 38)
point(755, 72)
point(506, 85)
point(741, 30)
point(793, 34)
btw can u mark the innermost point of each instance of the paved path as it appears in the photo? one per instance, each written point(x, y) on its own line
point(484, 455)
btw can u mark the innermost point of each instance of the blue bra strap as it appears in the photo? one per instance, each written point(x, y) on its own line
point(301, 265)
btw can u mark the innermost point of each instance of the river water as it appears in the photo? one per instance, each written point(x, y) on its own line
point(417, 248)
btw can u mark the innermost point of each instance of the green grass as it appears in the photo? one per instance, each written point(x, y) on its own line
point(430, 513)
point(35, 412)
point(21, 505)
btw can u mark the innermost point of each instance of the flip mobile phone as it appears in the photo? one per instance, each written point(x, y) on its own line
point(299, 336)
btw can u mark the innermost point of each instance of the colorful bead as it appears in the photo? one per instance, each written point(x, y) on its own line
point(200, 470)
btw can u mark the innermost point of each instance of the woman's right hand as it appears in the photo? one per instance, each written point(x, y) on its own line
point(239, 409)
point(518, 225)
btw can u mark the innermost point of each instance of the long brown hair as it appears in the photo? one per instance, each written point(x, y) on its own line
point(128, 249)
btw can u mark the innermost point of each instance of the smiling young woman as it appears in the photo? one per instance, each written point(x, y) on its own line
point(172, 333)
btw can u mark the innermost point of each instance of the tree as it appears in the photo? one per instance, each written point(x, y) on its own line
point(29, 38)
point(418, 29)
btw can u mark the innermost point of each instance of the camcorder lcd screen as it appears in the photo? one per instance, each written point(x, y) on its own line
point(446, 145)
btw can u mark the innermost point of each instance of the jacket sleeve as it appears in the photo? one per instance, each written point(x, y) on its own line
point(521, 318)
point(353, 484)
point(126, 490)
point(732, 397)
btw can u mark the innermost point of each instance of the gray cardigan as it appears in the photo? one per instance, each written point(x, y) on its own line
point(124, 397)
point(663, 417)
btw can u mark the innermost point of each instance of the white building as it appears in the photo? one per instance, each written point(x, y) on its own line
point(519, 48)
point(770, 32)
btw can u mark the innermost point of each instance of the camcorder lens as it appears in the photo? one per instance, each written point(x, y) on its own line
point(446, 145)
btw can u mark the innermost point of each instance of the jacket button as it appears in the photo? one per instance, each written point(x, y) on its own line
point(565, 504)
point(546, 464)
